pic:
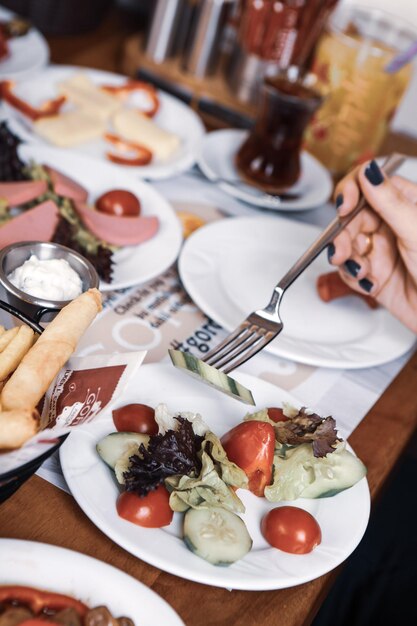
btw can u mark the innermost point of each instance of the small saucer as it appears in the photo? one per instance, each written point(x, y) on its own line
point(216, 161)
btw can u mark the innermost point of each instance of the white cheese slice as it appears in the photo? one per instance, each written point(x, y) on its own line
point(136, 127)
point(70, 128)
point(82, 92)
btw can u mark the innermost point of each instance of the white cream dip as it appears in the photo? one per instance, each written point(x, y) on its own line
point(50, 279)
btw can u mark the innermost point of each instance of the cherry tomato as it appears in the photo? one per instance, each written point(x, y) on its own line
point(251, 446)
point(151, 511)
point(38, 600)
point(135, 418)
point(291, 529)
point(118, 202)
point(276, 415)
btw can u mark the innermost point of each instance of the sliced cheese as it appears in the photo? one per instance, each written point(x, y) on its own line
point(136, 127)
point(70, 128)
point(82, 92)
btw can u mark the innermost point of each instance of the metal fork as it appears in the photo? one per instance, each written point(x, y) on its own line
point(263, 325)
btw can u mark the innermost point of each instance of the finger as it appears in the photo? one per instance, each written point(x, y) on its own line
point(357, 266)
point(347, 194)
point(366, 222)
point(389, 202)
point(406, 187)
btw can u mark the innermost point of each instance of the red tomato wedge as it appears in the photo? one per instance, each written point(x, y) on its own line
point(38, 600)
point(251, 446)
point(276, 415)
point(37, 224)
point(291, 529)
point(120, 231)
point(65, 186)
point(150, 511)
point(135, 418)
point(17, 193)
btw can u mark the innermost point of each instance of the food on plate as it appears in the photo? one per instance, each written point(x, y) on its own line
point(4, 48)
point(150, 511)
point(115, 230)
point(330, 287)
point(37, 224)
point(310, 460)
point(17, 426)
point(134, 126)
point(276, 414)
point(135, 418)
point(190, 222)
point(118, 202)
point(251, 446)
point(65, 186)
point(92, 100)
point(6, 336)
point(216, 535)
point(15, 350)
point(41, 364)
point(46, 109)
point(33, 607)
point(70, 128)
point(137, 153)
point(15, 27)
point(210, 375)
point(11, 166)
point(291, 529)
point(15, 193)
point(130, 87)
point(50, 279)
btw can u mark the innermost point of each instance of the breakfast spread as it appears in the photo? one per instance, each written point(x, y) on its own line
point(168, 463)
point(84, 111)
point(50, 279)
point(27, 367)
point(54, 207)
point(29, 606)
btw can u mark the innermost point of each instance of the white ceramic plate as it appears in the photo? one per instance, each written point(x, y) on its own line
point(251, 256)
point(27, 54)
point(342, 519)
point(216, 160)
point(173, 116)
point(133, 264)
point(95, 583)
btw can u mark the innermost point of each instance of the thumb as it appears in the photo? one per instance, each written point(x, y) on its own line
point(389, 202)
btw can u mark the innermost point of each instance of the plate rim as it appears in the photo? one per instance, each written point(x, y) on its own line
point(40, 549)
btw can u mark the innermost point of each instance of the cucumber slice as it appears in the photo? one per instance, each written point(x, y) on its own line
point(211, 376)
point(114, 446)
point(216, 535)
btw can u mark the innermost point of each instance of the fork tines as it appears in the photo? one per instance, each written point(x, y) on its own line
point(245, 341)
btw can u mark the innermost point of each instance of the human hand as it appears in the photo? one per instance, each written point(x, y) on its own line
point(377, 252)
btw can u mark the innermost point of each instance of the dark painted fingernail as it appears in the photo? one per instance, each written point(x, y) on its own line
point(374, 174)
point(339, 200)
point(330, 251)
point(352, 267)
point(366, 284)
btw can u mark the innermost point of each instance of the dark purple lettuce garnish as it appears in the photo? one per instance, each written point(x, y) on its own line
point(175, 452)
point(11, 167)
point(308, 427)
point(65, 234)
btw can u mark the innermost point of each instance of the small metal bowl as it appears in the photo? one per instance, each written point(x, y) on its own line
point(15, 255)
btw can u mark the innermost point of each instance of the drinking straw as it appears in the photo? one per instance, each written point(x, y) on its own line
point(401, 59)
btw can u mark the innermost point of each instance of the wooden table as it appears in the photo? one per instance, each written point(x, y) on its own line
point(41, 512)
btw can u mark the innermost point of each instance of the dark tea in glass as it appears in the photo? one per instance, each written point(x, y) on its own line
point(270, 157)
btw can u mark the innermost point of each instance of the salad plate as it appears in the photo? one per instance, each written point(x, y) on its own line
point(27, 54)
point(33, 564)
point(343, 518)
point(173, 116)
point(132, 264)
point(252, 254)
point(216, 160)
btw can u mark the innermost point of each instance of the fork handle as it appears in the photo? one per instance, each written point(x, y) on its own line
point(391, 164)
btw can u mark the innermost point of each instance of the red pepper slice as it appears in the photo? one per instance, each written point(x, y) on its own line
point(48, 108)
point(143, 155)
point(124, 90)
point(38, 600)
